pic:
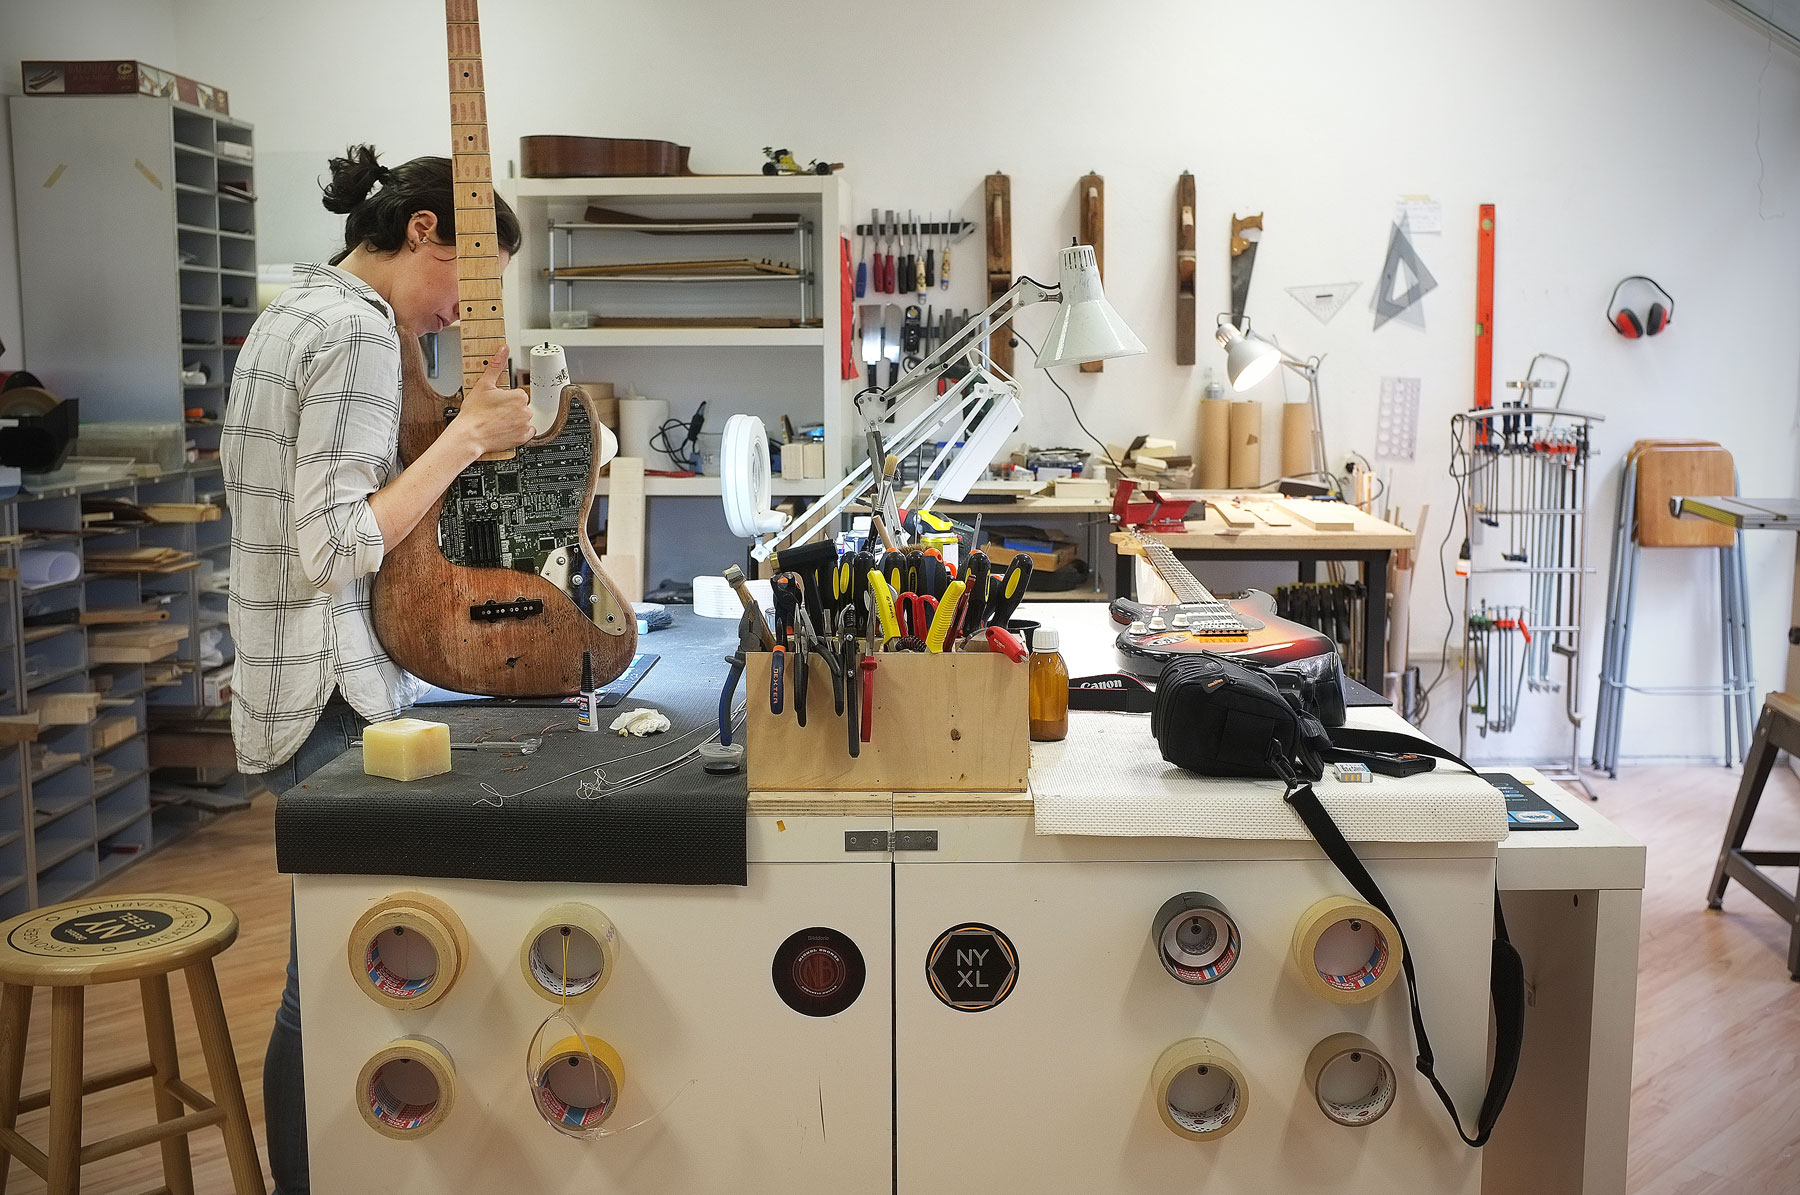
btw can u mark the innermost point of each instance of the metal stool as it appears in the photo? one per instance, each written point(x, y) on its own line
point(1654, 472)
point(70, 947)
point(1777, 730)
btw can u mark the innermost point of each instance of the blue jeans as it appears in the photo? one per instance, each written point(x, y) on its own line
point(284, 1079)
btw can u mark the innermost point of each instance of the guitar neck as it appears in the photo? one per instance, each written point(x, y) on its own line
point(1175, 574)
point(483, 323)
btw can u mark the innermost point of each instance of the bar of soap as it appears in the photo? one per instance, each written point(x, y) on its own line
point(406, 749)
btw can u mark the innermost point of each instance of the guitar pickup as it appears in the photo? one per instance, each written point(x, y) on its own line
point(499, 611)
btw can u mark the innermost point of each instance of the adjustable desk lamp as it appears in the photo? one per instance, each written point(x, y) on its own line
point(1249, 359)
point(982, 410)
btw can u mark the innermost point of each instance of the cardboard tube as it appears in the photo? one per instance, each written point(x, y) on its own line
point(592, 943)
point(1346, 951)
point(407, 1089)
point(1214, 450)
point(1246, 445)
point(1201, 1092)
point(577, 1086)
point(1296, 439)
point(407, 951)
point(1352, 1082)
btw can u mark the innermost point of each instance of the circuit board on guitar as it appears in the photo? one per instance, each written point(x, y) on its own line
point(521, 513)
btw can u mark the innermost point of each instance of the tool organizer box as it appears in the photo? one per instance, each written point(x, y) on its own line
point(1020, 982)
point(955, 721)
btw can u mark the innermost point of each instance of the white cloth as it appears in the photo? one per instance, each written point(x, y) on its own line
point(311, 431)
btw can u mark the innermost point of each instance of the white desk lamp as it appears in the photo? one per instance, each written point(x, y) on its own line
point(1249, 359)
point(982, 408)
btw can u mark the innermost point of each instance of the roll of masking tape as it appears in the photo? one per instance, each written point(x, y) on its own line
point(1196, 939)
point(578, 1084)
point(1346, 951)
point(570, 953)
point(408, 950)
point(407, 1089)
point(1200, 1089)
point(1353, 1083)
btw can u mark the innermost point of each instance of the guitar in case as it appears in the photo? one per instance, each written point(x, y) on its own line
point(498, 590)
point(1243, 624)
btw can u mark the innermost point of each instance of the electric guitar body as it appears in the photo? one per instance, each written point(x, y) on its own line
point(498, 590)
point(1240, 625)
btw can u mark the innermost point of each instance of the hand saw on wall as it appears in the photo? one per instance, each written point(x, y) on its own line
point(1245, 234)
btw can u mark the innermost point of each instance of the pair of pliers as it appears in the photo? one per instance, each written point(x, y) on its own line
point(850, 664)
point(916, 612)
point(787, 609)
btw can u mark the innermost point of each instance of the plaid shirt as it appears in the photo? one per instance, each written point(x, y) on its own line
point(311, 429)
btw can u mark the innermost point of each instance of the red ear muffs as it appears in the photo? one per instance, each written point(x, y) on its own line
point(1627, 324)
point(1656, 319)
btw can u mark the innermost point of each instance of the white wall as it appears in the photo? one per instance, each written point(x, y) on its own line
point(1616, 137)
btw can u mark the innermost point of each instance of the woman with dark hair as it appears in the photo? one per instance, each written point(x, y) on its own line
point(317, 494)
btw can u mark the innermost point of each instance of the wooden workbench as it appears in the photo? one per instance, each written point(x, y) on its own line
point(1370, 542)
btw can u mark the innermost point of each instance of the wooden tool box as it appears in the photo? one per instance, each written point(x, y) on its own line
point(955, 722)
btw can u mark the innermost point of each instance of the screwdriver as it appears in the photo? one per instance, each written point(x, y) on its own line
point(1011, 590)
point(975, 580)
point(931, 263)
point(887, 268)
point(862, 266)
point(918, 260)
point(906, 254)
point(944, 264)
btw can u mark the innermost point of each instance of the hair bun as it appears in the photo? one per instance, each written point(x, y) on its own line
point(353, 176)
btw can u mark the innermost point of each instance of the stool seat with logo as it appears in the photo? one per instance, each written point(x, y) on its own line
point(70, 947)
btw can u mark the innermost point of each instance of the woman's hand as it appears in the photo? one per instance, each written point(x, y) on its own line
point(493, 418)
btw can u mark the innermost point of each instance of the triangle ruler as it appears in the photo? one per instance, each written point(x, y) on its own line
point(1401, 256)
point(1325, 299)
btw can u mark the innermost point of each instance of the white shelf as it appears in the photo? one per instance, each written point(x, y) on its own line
point(704, 487)
point(676, 337)
point(684, 190)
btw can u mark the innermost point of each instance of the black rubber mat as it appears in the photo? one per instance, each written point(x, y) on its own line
point(686, 827)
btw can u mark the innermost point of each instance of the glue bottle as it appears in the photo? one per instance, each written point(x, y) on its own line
point(587, 714)
point(1049, 681)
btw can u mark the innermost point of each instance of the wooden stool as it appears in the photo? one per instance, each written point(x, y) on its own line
point(69, 947)
point(1778, 728)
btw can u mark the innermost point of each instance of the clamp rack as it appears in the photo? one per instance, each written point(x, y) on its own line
point(1522, 475)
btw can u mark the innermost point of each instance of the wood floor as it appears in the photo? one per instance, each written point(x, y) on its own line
point(1715, 1107)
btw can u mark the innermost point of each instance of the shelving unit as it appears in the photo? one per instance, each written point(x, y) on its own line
point(766, 371)
point(93, 792)
point(139, 191)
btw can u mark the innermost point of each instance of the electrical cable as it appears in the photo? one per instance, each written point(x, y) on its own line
point(1456, 508)
point(1107, 452)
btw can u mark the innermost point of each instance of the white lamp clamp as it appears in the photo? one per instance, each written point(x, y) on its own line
point(981, 409)
point(1249, 359)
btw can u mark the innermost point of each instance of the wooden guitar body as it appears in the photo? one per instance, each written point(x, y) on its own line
point(503, 628)
point(550, 156)
point(1263, 636)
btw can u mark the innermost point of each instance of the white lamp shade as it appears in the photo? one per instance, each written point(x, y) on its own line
point(1247, 361)
point(1086, 327)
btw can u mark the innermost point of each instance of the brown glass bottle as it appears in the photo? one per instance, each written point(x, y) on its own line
point(1049, 688)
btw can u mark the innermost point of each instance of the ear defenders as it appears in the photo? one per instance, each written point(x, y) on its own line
point(1627, 322)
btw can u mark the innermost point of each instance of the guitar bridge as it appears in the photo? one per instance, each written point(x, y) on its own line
point(499, 611)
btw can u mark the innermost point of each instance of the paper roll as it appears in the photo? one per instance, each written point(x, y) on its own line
point(570, 953)
point(407, 1089)
point(1346, 951)
point(640, 419)
point(1246, 445)
point(1214, 450)
point(578, 1084)
point(407, 951)
point(1201, 1092)
point(1352, 1082)
point(1296, 439)
point(39, 567)
point(1196, 939)
point(549, 374)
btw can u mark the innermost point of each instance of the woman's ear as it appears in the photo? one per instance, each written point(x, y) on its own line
point(421, 230)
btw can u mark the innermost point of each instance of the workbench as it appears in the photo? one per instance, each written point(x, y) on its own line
point(1371, 542)
point(1047, 1090)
